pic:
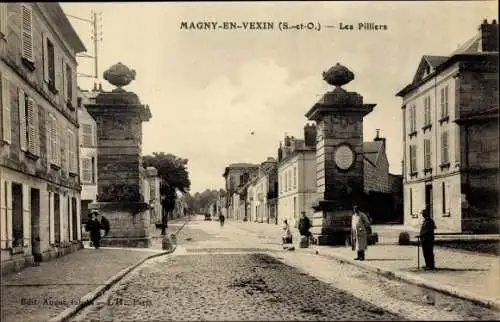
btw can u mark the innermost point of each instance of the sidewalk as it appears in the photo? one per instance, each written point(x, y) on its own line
point(42, 293)
point(464, 274)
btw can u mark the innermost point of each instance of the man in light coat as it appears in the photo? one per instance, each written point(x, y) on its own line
point(360, 225)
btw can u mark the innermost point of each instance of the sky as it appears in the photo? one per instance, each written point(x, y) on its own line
point(209, 89)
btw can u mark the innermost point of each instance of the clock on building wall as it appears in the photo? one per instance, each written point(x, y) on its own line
point(344, 157)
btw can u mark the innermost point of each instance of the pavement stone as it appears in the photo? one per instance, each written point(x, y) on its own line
point(221, 287)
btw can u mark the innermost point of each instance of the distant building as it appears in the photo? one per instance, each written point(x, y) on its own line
point(39, 170)
point(297, 177)
point(450, 137)
point(237, 175)
point(88, 151)
point(261, 195)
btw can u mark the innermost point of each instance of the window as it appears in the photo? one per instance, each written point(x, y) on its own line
point(53, 150)
point(413, 159)
point(444, 149)
point(427, 111)
point(427, 154)
point(294, 177)
point(69, 83)
point(6, 117)
point(289, 184)
point(28, 122)
point(87, 136)
point(93, 170)
point(49, 66)
point(86, 170)
point(71, 151)
point(27, 33)
point(413, 119)
point(444, 102)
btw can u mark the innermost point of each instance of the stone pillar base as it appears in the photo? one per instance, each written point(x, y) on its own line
point(129, 223)
point(331, 225)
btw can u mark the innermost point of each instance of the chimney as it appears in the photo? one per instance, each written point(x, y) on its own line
point(95, 88)
point(100, 87)
point(378, 138)
point(489, 36)
point(280, 153)
point(310, 135)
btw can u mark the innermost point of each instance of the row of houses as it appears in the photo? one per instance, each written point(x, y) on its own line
point(450, 159)
point(48, 140)
point(284, 187)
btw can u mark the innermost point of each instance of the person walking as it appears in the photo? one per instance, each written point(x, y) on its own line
point(221, 219)
point(104, 224)
point(360, 225)
point(93, 226)
point(287, 234)
point(427, 239)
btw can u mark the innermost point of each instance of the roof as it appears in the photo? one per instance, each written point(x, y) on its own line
point(372, 150)
point(435, 61)
point(471, 45)
point(240, 166)
point(64, 26)
point(472, 57)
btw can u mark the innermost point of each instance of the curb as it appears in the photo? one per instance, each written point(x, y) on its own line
point(86, 300)
point(448, 290)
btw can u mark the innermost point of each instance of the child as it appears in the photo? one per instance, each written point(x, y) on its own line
point(287, 234)
point(37, 256)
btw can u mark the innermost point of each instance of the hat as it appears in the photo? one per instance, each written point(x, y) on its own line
point(94, 211)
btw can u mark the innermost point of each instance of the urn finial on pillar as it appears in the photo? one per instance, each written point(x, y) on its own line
point(338, 76)
point(119, 75)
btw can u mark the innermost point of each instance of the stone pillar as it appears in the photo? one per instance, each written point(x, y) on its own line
point(119, 116)
point(339, 157)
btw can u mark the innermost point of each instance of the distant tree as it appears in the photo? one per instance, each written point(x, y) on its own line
point(173, 173)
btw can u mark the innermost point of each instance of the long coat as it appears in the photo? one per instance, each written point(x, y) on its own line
point(360, 224)
point(94, 227)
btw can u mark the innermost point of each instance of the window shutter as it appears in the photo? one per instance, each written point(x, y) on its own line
point(27, 33)
point(6, 117)
point(31, 124)
point(55, 143)
point(444, 147)
point(36, 122)
point(64, 81)
point(45, 58)
point(87, 135)
point(86, 170)
point(4, 16)
point(57, 71)
point(22, 120)
point(62, 140)
point(48, 124)
point(69, 81)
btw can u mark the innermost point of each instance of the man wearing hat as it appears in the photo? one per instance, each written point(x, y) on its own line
point(360, 225)
point(427, 238)
point(98, 226)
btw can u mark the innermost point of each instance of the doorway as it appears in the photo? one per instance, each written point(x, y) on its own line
point(35, 221)
point(17, 215)
point(74, 214)
point(428, 199)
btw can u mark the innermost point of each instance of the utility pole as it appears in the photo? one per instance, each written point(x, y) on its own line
point(96, 37)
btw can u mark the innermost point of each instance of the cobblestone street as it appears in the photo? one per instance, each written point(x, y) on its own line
point(221, 274)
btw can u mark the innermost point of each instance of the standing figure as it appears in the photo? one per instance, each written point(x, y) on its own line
point(94, 227)
point(104, 224)
point(287, 234)
point(360, 225)
point(304, 226)
point(221, 219)
point(427, 238)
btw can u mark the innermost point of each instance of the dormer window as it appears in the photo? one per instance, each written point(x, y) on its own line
point(427, 70)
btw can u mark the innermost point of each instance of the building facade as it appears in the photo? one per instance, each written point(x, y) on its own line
point(450, 137)
point(261, 193)
point(296, 178)
point(237, 175)
point(39, 169)
point(88, 152)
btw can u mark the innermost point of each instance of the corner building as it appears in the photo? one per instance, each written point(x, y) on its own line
point(39, 168)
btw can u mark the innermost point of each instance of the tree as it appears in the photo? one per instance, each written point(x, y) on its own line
point(174, 176)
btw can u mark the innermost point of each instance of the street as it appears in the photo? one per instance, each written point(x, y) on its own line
point(222, 273)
